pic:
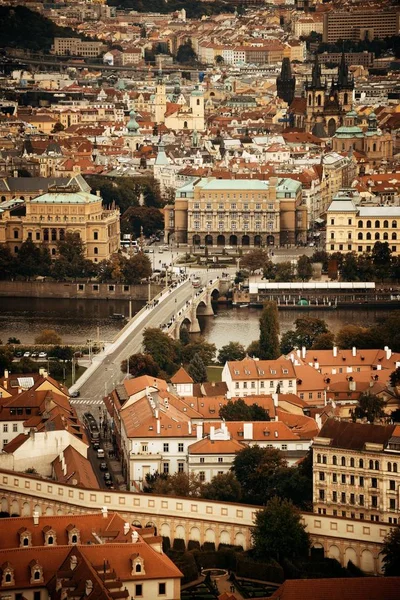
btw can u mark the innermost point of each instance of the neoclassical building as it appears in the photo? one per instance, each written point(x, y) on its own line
point(47, 218)
point(238, 212)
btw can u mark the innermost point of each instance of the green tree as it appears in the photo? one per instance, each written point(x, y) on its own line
point(254, 260)
point(197, 369)
point(370, 407)
point(231, 351)
point(395, 378)
point(239, 410)
point(162, 348)
point(62, 353)
point(71, 261)
point(279, 533)
point(284, 271)
point(269, 332)
point(186, 54)
point(48, 337)
point(360, 337)
point(253, 349)
point(304, 268)
point(13, 340)
point(58, 127)
point(27, 365)
point(269, 270)
point(382, 258)
point(6, 358)
point(28, 259)
point(391, 553)
point(137, 267)
point(254, 468)
point(320, 256)
point(223, 488)
point(136, 218)
point(141, 364)
point(204, 349)
point(324, 341)
point(179, 484)
point(349, 268)
point(7, 266)
point(219, 59)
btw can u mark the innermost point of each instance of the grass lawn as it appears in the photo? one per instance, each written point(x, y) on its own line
point(214, 373)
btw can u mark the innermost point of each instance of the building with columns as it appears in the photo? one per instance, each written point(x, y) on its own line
point(238, 212)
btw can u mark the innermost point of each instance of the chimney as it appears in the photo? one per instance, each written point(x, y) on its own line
point(334, 349)
point(35, 518)
point(379, 367)
point(275, 399)
point(5, 373)
point(190, 427)
point(303, 352)
point(316, 365)
point(104, 512)
point(15, 173)
point(73, 561)
point(247, 431)
point(212, 431)
point(352, 386)
point(126, 528)
point(333, 371)
point(41, 371)
point(158, 423)
point(199, 431)
point(98, 193)
point(45, 373)
point(88, 587)
point(387, 350)
point(354, 351)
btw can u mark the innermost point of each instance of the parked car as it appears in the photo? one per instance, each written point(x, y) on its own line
point(75, 394)
point(42, 354)
point(96, 445)
point(100, 453)
point(27, 354)
point(18, 355)
point(34, 355)
point(109, 483)
point(103, 466)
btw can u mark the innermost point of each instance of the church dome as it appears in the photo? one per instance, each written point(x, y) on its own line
point(133, 125)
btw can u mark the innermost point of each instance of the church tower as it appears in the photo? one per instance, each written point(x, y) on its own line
point(160, 100)
point(286, 82)
point(345, 85)
point(197, 107)
point(134, 137)
point(315, 96)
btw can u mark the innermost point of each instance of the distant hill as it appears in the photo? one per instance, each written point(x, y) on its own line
point(21, 27)
point(194, 8)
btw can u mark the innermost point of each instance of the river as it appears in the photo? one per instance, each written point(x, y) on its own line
point(78, 320)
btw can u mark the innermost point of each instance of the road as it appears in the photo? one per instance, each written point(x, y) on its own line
point(109, 374)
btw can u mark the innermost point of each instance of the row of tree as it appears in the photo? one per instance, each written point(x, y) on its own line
point(70, 262)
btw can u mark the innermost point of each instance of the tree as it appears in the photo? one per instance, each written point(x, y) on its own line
point(382, 258)
point(58, 127)
point(278, 532)
point(231, 351)
point(204, 349)
point(307, 330)
point(254, 468)
point(13, 340)
point(137, 217)
point(304, 268)
point(320, 256)
point(28, 259)
point(27, 365)
point(141, 364)
point(71, 261)
point(239, 410)
point(360, 337)
point(162, 348)
point(254, 260)
point(269, 332)
point(179, 484)
point(223, 487)
point(395, 377)
point(324, 341)
point(253, 349)
point(284, 271)
point(370, 407)
point(186, 54)
point(48, 337)
point(136, 268)
point(349, 268)
point(64, 353)
point(197, 369)
point(6, 358)
point(269, 270)
point(219, 60)
point(7, 267)
point(391, 553)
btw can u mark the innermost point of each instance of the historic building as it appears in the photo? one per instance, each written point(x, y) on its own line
point(322, 109)
point(238, 212)
point(356, 228)
point(286, 82)
point(356, 471)
point(47, 218)
point(178, 115)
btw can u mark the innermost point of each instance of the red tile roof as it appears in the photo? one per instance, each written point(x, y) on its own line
point(362, 588)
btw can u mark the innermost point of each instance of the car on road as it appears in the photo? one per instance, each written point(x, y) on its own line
point(96, 445)
point(107, 478)
point(18, 355)
point(149, 250)
point(27, 354)
point(75, 394)
point(34, 355)
point(42, 354)
point(103, 467)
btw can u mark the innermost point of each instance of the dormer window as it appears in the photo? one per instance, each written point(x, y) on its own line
point(137, 565)
point(8, 574)
point(36, 572)
point(73, 535)
point(49, 536)
point(25, 537)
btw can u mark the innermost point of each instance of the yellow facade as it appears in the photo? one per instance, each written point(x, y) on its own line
point(46, 219)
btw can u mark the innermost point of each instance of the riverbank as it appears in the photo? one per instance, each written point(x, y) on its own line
point(73, 290)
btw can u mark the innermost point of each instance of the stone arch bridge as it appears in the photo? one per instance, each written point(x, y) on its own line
point(200, 304)
point(190, 518)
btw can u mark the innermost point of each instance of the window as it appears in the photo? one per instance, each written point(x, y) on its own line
point(361, 500)
point(374, 501)
point(392, 485)
point(138, 589)
point(181, 467)
point(334, 496)
point(180, 447)
point(343, 461)
point(334, 460)
point(334, 478)
point(138, 568)
point(394, 224)
point(166, 447)
point(95, 235)
point(352, 499)
point(352, 462)
point(368, 224)
point(36, 595)
point(392, 504)
point(162, 589)
point(201, 459)
point(352, 480)
point(361, 464)
point(324, 459)
point(322, 494)
point(343, 478)
point(50, 540)
point(166, 468)
point(394, 467)
point(284, 446)
point(202, 475)
point(343, 497)
point(96, 250)
point(374, 482)
point(220, 459)
point(318, 458)
point(377, 465)
point(5, 428)
point(36, 576)
point(371, 464)
point(15, 234)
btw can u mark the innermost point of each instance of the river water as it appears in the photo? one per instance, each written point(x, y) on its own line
point(78, 320)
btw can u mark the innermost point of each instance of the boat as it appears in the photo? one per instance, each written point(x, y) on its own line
point(242, 305)
point(118, 316)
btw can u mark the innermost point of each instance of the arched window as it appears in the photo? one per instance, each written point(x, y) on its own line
point(394, 224)
point(360, 236)
point(309, 99)
point(25, 541)
point(74, 539)
point(386, 224)
point(352, 462)
point(389, 466)
point(371, 464)
point(345, 98)
point(54, 235)
point(394, 236)
point(377, 236)
point(318, 458)
point(343, 461)
point(394, 467)
point(8, 578)
point(185, 124)
point(45, 235)
point(95, 235)
point(377, 224)
point(374, 147)
point(368, 236)
point(386, 235)
point(368, 224)
point(138, 568)
point(319, 99)
point(377, 465)
point(360, 224)
point(198, 102)
point(62, 235)
point(361, 463)
point(16, 234)
point(53, 251)
point(334, 460)
point(36, 575)
point(96, 250)
point(50, 540)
